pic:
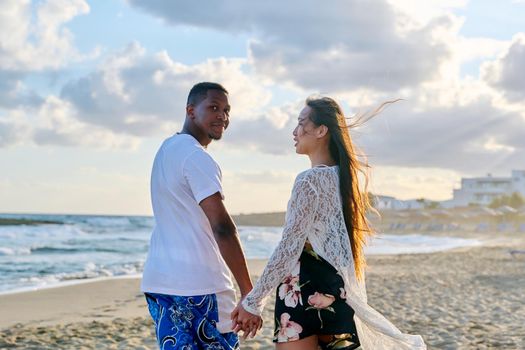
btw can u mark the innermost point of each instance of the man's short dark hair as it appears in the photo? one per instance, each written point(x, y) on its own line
point(199, 92)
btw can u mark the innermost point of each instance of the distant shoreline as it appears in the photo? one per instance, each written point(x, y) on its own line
point(275, 219)
point(392, 221)
point(32, 222)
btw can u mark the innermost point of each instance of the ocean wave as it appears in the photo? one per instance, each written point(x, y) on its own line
point(91, 270)
point(415, 244)
point(7, 234)
point(142, 222)
point(4, 251)
point(44, 232)
point(68, 250)
point(108, 221)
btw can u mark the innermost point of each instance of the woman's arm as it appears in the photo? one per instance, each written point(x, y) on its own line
point(299, 219)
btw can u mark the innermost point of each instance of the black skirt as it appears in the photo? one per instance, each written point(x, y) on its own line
point(310, 302)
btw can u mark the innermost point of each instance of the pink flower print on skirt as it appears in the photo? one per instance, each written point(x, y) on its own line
point(289, 330)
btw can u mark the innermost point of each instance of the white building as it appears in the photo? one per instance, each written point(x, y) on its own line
point(483, 190)
point(392, 203)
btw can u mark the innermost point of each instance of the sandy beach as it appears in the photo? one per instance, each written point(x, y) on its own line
point(469, 298)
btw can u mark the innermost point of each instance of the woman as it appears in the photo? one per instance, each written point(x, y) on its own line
point(318, 266)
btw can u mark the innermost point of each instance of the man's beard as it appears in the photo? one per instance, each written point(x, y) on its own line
point(215, 137)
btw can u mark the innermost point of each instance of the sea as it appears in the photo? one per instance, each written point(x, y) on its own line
point(83, 247)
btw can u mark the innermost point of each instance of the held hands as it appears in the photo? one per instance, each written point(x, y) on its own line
point(245, 321)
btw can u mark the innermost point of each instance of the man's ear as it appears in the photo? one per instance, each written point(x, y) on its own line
point(189, 111)
point(322, 130)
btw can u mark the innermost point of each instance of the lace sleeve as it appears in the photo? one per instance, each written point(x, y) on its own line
point(299, 218)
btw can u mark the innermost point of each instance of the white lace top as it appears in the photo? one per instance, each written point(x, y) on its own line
point(315, 214)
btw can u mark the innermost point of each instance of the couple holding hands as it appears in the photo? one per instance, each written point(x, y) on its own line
point(317, 268)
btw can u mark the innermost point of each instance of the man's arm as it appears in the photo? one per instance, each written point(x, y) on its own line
point(228, 241)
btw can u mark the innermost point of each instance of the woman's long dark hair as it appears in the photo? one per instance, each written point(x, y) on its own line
point(355, 200)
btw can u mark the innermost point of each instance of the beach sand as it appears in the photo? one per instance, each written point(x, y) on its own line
point(470, 298)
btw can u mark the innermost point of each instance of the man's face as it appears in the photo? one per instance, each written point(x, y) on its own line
point(212, 115)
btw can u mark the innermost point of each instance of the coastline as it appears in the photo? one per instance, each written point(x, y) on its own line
point(468, 298)
point(380, 244)
point(81, 301)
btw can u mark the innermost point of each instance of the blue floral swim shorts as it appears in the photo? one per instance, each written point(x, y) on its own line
point(188, 323)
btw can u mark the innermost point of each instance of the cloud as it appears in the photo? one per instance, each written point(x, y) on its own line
point(339, 49)
point(143, 95)
point(327, 47)
point(424, 11)
point(470, 49)
point(57, 125)
point(33, 36)
point(14, 93)
point(54, 123)
point(507, 73)
point(467, 136)
point(475, 137)
point(269, 133)
point(131, 95)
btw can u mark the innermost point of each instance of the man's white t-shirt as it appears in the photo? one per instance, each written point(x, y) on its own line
point(184, 258)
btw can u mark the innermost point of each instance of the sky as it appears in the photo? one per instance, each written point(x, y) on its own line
point(89, 90)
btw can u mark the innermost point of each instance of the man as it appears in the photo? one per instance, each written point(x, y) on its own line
point(186, 280)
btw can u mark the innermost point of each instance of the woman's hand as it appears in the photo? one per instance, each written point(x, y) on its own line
point(245, 321)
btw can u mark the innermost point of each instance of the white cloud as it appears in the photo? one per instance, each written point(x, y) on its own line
point(419, 12)
point(142, 94)
point(470, 49)
point(33, 36)
point(57, 125)
point(466, 135)
point(14, 93)
point(341, 46)
point(269, 133)
point(450, 138)
point(54, 122)
point(507, 73)
point(493, 146)
point(341, 50)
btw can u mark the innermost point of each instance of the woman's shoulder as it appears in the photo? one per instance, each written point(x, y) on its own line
point(315, 174)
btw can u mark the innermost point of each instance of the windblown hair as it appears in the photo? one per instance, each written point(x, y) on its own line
point(199, 92)
point(351, 162)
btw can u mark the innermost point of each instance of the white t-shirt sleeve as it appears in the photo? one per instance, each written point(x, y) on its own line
point(203, 175)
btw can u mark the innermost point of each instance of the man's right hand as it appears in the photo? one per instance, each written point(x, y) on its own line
point(245, 321)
